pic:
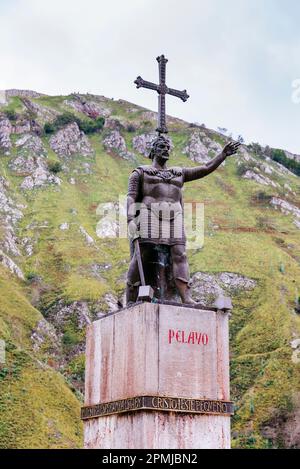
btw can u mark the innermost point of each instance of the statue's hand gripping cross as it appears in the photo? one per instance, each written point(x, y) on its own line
point(162, 90)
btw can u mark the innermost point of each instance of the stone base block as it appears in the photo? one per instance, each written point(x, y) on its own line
point(157, 376)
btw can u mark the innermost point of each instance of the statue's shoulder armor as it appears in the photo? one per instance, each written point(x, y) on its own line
point(176, 170)
point(148, 169)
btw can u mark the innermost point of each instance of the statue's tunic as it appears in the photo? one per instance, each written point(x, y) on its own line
point(159, 193)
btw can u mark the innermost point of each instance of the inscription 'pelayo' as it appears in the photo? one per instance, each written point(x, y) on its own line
point(187, 337)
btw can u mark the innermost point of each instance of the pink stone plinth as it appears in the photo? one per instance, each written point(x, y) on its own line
point(160, 350)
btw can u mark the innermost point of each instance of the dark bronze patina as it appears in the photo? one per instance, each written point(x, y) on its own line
point(159, 191)
point(162, 90)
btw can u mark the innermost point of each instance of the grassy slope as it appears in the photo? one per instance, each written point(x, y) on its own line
point(264, 379)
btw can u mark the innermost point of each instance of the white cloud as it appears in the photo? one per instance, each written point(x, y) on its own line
point(237, 59)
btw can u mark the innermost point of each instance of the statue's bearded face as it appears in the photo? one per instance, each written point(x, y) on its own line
point(162, 149)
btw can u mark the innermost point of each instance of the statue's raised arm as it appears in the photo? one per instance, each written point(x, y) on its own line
point(198, 172)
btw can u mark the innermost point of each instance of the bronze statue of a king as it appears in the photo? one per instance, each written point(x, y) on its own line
point(155, 211)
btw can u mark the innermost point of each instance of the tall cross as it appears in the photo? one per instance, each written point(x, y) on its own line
point(162, 89)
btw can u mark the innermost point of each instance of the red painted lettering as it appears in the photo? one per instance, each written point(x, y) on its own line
point(191, 339)
point(204, 339)
point(171, 335)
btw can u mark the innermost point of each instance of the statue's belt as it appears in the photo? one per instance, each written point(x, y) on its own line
point(163, 211)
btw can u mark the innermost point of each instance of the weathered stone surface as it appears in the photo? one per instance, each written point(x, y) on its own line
point(10, 210)
point(23, 93)
point(115, 143)
point(260, 178)
point(142, 143)
point(131, 353)
point(22, 126)
point(10, 214)
point(88, 238)
point(45, 332)
point(70, 141)
point(64, 226)
point(5, 131)
point(113, 124)
point(89, 108)
point(61, 313)
point(31, 162)
point(43, 113)
point(27, 244)
point(196, 150)
point(155, 430)
point(206, 288)
point(287, 208)
point(7, 262)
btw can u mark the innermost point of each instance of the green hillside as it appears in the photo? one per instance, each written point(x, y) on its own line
point(56, 273)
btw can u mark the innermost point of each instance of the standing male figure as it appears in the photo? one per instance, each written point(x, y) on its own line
point(158, 190)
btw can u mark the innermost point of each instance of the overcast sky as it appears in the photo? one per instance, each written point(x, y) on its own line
point(236, 58)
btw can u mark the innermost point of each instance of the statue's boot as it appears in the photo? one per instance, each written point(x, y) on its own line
point(184, 291)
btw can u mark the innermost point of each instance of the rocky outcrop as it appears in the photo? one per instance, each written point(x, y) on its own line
point(207, 287)
point(113, 124)
point(115, 143)
point(287, 208)
point(23, 93)
point(259, 178)
point(89, 108)
point(61, 313)
point(142, 143)
point(70, 141)
point(89, 240)
point(7, 262)
point(5, 131)
point(196, 150)
point(44, 335)
point(31, 162)
point(10, 214)
point(43, 113)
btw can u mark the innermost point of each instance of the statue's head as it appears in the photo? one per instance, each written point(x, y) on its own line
point(160, 148)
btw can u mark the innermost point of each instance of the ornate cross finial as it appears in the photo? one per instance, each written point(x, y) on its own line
point(162, 89)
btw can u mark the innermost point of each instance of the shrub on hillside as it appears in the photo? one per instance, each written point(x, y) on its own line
point(280, 157)
point(54, 167)
point(88, 126)
point(11, 114)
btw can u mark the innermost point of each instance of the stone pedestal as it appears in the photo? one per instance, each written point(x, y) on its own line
point(157, 376)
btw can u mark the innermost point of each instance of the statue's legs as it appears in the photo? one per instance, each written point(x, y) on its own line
point(133, 281)
point(133, 275)
point(181, 273)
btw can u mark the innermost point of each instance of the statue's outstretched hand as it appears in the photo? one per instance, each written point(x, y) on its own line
point(231, 148)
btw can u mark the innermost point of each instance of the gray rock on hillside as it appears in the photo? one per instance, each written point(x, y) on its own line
point(142, 143)
point(7, 262)
point(71, 141)
point(207, 287)
point(5, 131)
point(115, 143)
point(43, 113)
point(259, 178)
point(31, 162)
point(287, 208)
point(196, 150)
point(10, 214)
point(89, 108)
